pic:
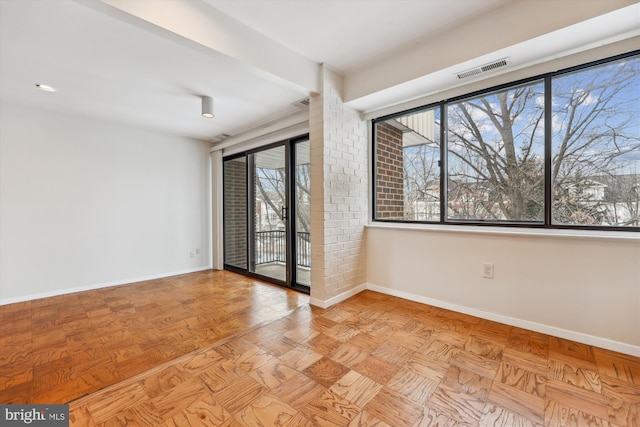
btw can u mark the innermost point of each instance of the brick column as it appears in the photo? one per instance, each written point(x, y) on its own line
point(339, 190)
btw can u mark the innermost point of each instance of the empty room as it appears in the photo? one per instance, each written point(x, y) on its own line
point(320, 213)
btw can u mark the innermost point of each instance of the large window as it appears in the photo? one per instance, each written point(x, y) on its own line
point(595, 139)
point(495, 156)
point(560, 150)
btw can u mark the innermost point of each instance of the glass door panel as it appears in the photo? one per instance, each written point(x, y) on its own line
point(235, 212)
point(268, 214)
point(302, 223)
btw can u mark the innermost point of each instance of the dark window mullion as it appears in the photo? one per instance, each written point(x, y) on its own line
point(548, 140)
point(251, 226)
point(374, 171)
point(443, 162)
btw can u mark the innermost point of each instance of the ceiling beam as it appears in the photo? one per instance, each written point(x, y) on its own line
point(201, 26)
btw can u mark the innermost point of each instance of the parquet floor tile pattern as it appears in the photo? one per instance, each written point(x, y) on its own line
point(57, 349)
point(373, 360)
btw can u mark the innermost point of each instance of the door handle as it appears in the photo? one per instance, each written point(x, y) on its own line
point(283, 213)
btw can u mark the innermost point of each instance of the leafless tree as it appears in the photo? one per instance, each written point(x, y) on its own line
point(303, 198)
point(596, 131)
point(270, 185)
point(422, 181)
point(496, 144)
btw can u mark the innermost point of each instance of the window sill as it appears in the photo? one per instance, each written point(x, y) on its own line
point(510, 231)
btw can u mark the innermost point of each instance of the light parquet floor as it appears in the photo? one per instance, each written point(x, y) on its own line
point(54, 350)
point(373, 360)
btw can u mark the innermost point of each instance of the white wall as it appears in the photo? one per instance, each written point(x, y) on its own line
point(85, 203)
point(582, 288)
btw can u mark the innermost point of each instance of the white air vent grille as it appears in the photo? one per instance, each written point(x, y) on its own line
point(483, 68)
point(220, 138)
point(469, 73)
point(302, 104)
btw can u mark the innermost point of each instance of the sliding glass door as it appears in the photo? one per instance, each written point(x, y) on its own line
point(302, 212)
point(267, 213)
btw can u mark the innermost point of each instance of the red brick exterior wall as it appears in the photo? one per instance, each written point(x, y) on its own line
point(235, 213)
point(389, 172)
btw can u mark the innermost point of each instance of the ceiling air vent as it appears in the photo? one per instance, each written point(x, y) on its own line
point(303, 104)
point(483, 68)
point(220, 138)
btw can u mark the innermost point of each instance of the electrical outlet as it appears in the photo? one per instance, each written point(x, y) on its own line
point(192, 255)
point(487, 271)
point(197, 251)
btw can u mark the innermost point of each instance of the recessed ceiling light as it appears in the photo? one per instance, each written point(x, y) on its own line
point(46, 88)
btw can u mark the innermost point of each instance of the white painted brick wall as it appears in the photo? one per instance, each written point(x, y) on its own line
point(339, 189)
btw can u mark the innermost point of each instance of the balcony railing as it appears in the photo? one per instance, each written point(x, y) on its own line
point(271, 247)
point(303, 245)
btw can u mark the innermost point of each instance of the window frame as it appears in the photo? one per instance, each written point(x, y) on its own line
point(547, 222)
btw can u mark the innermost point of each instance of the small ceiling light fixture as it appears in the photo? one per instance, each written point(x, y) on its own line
point(207, 107)
point(46, 88)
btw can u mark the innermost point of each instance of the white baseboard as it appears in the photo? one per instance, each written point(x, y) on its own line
point(620, 347)
point(338, 298)
point(4, 301)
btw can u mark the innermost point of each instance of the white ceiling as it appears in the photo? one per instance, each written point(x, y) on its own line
point(348, 34)
point(146, 62)
point(104, 67)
